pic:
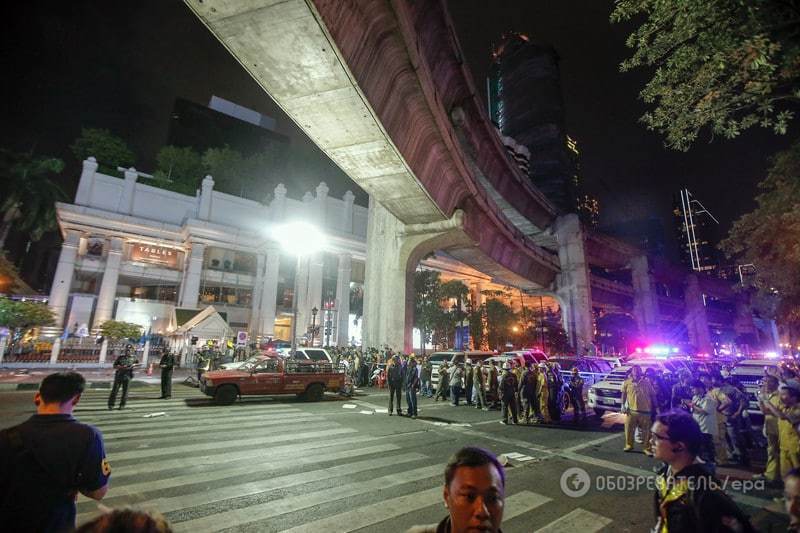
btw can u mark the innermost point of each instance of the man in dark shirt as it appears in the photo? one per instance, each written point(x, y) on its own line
point(167, 364)
point(123, 373)
point(47, 460)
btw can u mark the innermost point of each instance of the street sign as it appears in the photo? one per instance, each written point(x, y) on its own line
point(241, 338)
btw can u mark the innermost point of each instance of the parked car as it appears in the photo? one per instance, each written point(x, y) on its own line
point(312, 354)
point(750, 373)
point(527, 356)
point(454, 357)
point(606, 395)
point(591, 369)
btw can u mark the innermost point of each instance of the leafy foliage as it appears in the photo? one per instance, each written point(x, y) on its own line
point(178, 169)
point(28, 193)
point(726, 65)
point(18, 315)
point(116, 330)
point(769, 237)
point(499, 320)
point(427, 295)
point(109, 150)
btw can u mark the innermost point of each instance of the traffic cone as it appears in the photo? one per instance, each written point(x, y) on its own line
point(150, 370)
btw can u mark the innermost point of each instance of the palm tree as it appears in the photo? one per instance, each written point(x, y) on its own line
point(28, 194)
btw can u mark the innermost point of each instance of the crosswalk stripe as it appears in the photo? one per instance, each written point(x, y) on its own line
point(577, 520)
point(167, 432)
point(193, 415)
point(273, 453)
point(222, 445)
point(253, 513)
point(191, 426)
point(250, 468)
point(228, 492)
point(369, 515)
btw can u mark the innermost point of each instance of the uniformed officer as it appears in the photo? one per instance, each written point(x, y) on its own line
point(576, 395)
point(529, 391)
point(123, 374)
point(167, 364)
point(508, 394)
point(48, 459)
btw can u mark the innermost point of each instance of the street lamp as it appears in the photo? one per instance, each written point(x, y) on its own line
point(314, 312)
point(301, 239)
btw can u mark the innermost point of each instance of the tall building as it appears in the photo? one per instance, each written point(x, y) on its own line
point(525, 104)
point(695, 227)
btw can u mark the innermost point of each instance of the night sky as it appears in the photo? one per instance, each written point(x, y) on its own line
point(121, 65)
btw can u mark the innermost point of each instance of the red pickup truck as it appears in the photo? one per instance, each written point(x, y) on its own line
point(269, 375)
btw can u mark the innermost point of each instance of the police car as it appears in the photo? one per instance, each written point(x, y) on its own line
point(750, 373)
point(606, 395)
point(451, 358)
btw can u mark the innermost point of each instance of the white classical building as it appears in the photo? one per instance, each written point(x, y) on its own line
point(146, 255)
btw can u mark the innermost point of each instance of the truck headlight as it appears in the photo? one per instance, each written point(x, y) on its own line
point(591, 390)
point(209, 383)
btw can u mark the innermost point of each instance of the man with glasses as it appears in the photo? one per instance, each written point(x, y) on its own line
point(688, 498)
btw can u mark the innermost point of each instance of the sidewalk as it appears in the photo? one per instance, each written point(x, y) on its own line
point(97, 378)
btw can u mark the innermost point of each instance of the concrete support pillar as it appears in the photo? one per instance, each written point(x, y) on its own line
point(206, 195)
point(86, 183)
point(347, 213)
point(128, 191)
point(190, 285)
point(695, 316)
point(301, 287)
point(62, 281)
point(343, 300)
point(255, 309)
point(53, 353)
point(108, 288)
point(269, 294)
point(393, 251)
point(645, 299)
point(573, 284)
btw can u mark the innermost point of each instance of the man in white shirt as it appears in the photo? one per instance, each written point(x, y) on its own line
point(704, 411)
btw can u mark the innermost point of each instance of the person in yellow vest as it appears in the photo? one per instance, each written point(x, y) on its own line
point(714, 391)
point(639, 405)
point(788, 415)
point(769, 395)
point(544, 393)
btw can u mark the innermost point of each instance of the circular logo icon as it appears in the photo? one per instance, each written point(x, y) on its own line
point(575, 482)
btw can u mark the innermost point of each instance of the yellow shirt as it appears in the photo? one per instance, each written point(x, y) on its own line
point(787, 435)
point(770, 421)
point(639, 395)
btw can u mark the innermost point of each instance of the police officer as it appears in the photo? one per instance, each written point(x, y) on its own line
point(123, 374)
point(394, 376)
point(529, 391)
point(48, 459)
point(576, 395)
point(508, 394)
point(167, 364)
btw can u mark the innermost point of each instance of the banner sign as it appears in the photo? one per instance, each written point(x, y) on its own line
point(148, 253)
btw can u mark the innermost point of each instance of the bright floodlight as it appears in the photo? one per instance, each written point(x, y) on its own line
point(298, 238)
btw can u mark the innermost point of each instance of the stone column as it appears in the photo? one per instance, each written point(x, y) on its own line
point(573, 285)
point(343, 300)
point(53, 353)
point(269, 294)
point(695, 316)
point(278, 204)
point(315, 269)
point(62, 281)
point(206, 194)
point(190, 285)
point(347, 213)
point(103, 352)
point(644, 296)
point(108, 287)
point(86, 183)
point(321, 205)
point(255, 300)
point(301, 286)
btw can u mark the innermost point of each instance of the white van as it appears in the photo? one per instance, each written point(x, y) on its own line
point(606, 395)
point(454, 357)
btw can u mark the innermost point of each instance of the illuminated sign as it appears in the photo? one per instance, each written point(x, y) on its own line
point(148, 253)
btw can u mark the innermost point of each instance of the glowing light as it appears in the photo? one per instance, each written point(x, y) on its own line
point(771, 355)
point(655, 349)
point(638, 350)
point(298, 238)
point(675, 350)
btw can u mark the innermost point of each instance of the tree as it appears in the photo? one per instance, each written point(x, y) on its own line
point(451, 317)
point(768, 238)
point(109, 150)
point(29, 193)
point(19, 317)
point(499, 319)
point(116, 330)
point(718, 64)
point(225, 166)
point(178, 169)
point(427, 310)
